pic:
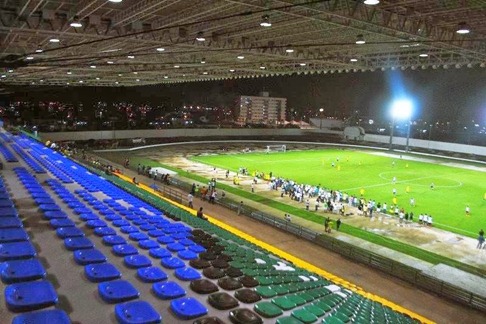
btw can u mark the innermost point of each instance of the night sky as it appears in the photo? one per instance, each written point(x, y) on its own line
point(453, 94)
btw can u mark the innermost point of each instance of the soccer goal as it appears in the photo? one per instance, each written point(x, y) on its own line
point(276, 148)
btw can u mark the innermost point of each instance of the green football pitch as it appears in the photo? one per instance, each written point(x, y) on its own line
point(355, 172)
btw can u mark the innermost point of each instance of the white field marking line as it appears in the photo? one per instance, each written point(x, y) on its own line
point(457, 185)
point(455, 228)
point(267, 162)
point(403, 181)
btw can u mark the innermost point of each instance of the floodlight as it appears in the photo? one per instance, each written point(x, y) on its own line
point(402, 109)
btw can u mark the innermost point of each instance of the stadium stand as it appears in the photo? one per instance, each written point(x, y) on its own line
point(144, 262)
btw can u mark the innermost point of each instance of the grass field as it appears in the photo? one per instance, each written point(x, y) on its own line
point(353, 171)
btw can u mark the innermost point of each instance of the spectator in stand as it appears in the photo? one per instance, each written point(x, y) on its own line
point(200, 214)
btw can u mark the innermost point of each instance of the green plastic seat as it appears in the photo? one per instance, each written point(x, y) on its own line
point(304, 316)
point(297, 300)
point(281, 290)
point(308, 298)
point(288, 320)
point(284, 303)
point(314, 310)
point(266, 291)
point(264, 281)
point(332, 320)
point(267, 309)
point(324, 306)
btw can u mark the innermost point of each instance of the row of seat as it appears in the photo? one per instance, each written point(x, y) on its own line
point(27, 159)
point(234, 269)
point(27, 289)
point(7, 154)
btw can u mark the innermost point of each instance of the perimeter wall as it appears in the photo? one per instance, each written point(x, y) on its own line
point(241, 133)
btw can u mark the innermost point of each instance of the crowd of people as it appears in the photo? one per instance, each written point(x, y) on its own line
point(335, 201)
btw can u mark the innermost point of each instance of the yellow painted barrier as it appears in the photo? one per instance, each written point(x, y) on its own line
point(289, 257)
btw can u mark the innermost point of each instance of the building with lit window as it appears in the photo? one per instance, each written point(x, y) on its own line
point(262, 109)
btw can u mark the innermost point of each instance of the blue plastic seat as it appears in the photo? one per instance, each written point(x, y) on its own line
point(124, 249)
point(148, 244)
point(78, 243)
point(172, 263)
point(137, 312)
point(99, 272)
point(156, 233)
point(112, 217)
point(147, 227)
point(187, 255)
point(129, 229)
point(65, 232)
point(49, 207)
point(8, 211)
point(137, 261)
point(94, 223)
point(151, 274)
point(186, 242)
point(82, 210)
point(6, 203)
point(88, 256)
point(29, 296)
point(21, 270)
point(104, 231)
point(179, 236)
point(10, 222)
point(138, 236)
point(13, 235)
point(165, 239)
point(174, 247)
point(55, 214)
point(139, 222)
point(56, 223)
point(76, 205)
point(121, 222)
point(16, 250)
point(168, 290)
point(187, 274)
point(117, 291)
point(187, 308)
point(50, 316)
point(88, 217)
point(197, 248)
point(113, 240)
point(159, 253)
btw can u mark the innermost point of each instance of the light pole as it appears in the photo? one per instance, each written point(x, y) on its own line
point(430, 131)
point(401, 109)
point(321, 110)
point(408, 134)
point(391, 133)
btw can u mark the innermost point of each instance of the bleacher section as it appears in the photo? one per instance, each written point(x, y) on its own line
point(93, 253)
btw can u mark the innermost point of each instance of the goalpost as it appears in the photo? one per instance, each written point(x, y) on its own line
point(276, 148)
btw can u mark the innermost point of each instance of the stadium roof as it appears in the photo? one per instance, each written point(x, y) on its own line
point(137, 42)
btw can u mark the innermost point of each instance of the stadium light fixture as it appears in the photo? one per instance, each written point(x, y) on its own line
point(200, 37)
point(463, 28)
point(160, 49)
point(30, 58)
point(39, 50)
point(266, 21)
point(360, 40)
point(115, 1)
point(240, 57)
point(54, 40)
point(401, 109)
point(371, 2)
point(76, 23)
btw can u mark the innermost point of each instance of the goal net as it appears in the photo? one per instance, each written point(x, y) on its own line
point(276, 148)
